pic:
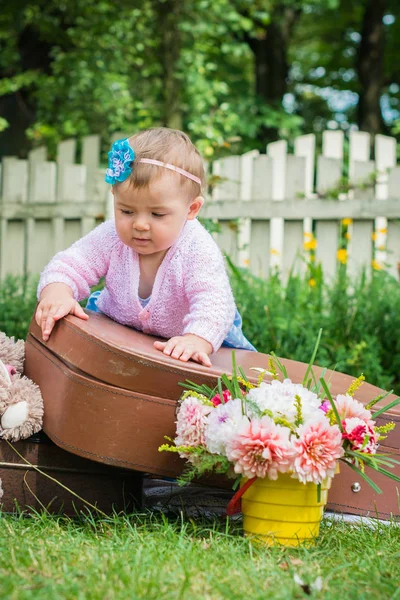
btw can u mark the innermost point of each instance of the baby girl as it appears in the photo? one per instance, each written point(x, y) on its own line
point(164, 273)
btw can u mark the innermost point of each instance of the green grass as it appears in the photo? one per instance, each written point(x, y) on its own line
point(147, 556)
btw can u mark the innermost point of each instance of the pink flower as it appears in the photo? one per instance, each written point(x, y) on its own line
point(192, 419)
point(358, 432)
point(348, 407)
point(325, 406)
point(216, 400)
point(261, 449)
point(318, 448)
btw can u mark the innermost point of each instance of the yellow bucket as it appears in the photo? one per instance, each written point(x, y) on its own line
point(283, 512)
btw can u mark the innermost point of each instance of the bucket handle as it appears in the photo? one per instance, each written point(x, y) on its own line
point(235, 503)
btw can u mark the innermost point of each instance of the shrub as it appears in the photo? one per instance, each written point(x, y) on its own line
point(360, 320)
point(17, 304)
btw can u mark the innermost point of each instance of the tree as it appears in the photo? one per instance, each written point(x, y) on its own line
point(169, 14)
point(329, 49)
point(370, 66)
point(235, 74)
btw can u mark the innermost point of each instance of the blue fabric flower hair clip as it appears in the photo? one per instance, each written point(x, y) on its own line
point(120, 160)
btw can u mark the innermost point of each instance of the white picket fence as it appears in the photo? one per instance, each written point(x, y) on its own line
point(269, 210)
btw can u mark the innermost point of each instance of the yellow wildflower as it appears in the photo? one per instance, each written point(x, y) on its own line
point(376, 265)
point(374, 236)
point(385, 428)
point(272, 367)
point(274, 252)
point(356, 383)
point(311, 245)
point(347, 236)
point(330, 415)
point(347, 222)
point(299, 412)
point(245, 384)
point(246, 262)
point(341, 255)
point(203, 399)
point(384, 230)
point(312, 282)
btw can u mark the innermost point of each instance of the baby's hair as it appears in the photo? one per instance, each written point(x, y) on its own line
point(170, 146)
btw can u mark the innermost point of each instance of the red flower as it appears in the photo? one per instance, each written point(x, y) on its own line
point(360, 434)
point(216, 400)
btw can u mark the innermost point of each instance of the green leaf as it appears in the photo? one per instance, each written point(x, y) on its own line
point(220, 391)
point(332, 403)
point(395, 402)
point(200, 389)
point(388, 474)
point(377, 399)
point(282, 367)
point(236, 386)
point(314, 354)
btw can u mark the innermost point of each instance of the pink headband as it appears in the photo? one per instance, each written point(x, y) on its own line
point(121, 159)
point(152, 161)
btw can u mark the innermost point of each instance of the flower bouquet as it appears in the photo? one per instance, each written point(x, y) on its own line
point(282, 440)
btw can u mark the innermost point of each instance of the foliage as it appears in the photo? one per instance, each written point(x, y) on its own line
point(360, 320)
point(17, 305)
point(85, 68)
point(3, 124)
point(324, 80)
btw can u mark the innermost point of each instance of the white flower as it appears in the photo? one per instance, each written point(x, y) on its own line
point(222, 424)
point(279, 398)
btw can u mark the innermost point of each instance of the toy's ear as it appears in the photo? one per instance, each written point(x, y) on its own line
point(12, 352)
point(5, 377)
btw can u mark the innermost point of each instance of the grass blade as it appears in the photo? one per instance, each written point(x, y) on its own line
point(385, 408)
point(281, 367)
point(377, 399)
point(388, 474)
point(314, 354)
point(200, 389)
point(236, 386)
point(103, 514)
point(333, 405)
point(317, 383)
point(221, 395)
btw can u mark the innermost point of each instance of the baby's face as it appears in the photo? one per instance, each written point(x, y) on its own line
point(149, 220)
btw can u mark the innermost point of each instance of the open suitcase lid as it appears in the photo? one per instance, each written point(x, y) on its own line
point(120, 356)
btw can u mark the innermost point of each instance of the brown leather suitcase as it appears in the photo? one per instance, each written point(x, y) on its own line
point(110, 397)
point(25, 488)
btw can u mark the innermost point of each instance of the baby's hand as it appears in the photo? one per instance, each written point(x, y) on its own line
point(56, 301)
point(185, 347)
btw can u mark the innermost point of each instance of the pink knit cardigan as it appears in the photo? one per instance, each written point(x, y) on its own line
point(191, 292)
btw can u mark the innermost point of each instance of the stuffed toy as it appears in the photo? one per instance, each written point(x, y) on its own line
point(21, 403)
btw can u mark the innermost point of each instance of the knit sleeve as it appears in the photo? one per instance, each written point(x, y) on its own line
point(207, 287)
point(84, 263)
